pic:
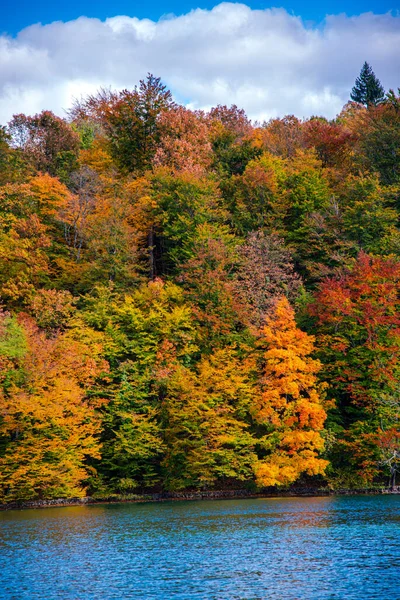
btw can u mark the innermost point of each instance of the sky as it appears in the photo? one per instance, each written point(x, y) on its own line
point(297, 58)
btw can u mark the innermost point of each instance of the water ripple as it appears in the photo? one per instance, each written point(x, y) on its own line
point(288, 548)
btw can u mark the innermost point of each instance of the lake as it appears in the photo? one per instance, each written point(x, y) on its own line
point(286, 548)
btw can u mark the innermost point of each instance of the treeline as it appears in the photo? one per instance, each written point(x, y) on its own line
point(193, 301)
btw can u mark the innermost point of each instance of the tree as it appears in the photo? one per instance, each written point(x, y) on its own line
point(184, 141)
point(48, 426)
point(183, 202)
point(131, 123)
point(290, 406)
point(378, 147)
point(265, 273)
point(208, 280)
point(48, 142)
point(333, 142)
point(368, 221)
point(147, 334)
point(206, 433)
point(5, 151)
point(230, 134)
point(30, 229)
point(358, 329)
point(280, 137)
point(254, 198)
point(367, 89)
point(358, 332)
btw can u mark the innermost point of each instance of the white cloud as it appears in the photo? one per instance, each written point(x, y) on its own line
point(266, 61)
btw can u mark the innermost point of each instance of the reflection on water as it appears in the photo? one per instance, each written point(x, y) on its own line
point(286, 548)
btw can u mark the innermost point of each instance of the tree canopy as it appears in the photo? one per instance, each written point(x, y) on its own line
point(189, 300)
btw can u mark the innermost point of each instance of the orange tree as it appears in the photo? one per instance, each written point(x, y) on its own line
point(289, 411)
point(48, 426)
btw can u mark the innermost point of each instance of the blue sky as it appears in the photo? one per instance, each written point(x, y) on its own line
point(22, 13)
point(298, 58)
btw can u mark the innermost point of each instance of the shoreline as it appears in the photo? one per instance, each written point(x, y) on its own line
point(190, 496)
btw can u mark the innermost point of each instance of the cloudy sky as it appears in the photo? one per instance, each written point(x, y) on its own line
point(267, 60)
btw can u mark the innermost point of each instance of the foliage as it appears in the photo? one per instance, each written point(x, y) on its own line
point(48, 427)
point(265, 273)
point(48, 142)
point(358, 334)
point(207, 438)
point(150, 257)
point(290, 405)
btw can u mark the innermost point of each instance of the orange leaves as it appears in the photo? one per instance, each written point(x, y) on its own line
point(289, 405)
point(50, 424)
point(288, 363)
point(49, 194)
point(43, 196)
point(30, 217)
point(184, 141)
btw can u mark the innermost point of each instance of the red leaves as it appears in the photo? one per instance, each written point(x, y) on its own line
point(358, 314)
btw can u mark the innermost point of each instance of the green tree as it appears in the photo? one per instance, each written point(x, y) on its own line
point(147, 334)
point(131, 124)
point(367, 89)
point(206, 431)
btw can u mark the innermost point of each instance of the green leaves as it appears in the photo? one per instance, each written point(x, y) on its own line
point(367, 89)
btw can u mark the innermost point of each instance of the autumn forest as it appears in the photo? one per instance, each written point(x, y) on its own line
point(190, 300)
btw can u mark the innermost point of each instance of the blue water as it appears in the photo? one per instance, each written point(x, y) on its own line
point(290, 548)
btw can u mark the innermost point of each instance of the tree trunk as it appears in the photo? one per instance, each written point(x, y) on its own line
point(392, 482)
point(152, 264)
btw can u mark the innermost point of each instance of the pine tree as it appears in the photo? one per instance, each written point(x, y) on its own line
point(367, 89)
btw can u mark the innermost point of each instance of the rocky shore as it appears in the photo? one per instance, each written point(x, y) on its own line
point(196, 495)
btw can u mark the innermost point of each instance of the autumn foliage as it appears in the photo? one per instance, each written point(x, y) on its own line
point(290, 403)
point(51, 424)
point(189, 300)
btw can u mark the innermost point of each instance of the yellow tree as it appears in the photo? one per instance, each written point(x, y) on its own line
point(30, 231)
point(290, 405)
point(48, 426)
point(207, 437)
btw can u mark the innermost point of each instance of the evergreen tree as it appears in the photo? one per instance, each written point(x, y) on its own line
point(367, 89)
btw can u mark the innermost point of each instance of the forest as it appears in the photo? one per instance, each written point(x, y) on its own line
point(190, 300)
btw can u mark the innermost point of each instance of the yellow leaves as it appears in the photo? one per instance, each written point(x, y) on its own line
point(144, 205)
point(290, 402)
point(49, 194)
point(31, 211)
point(96, 157)
point(207, 435)
point(50, 424)
point(280, 472)
point(284, 470)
